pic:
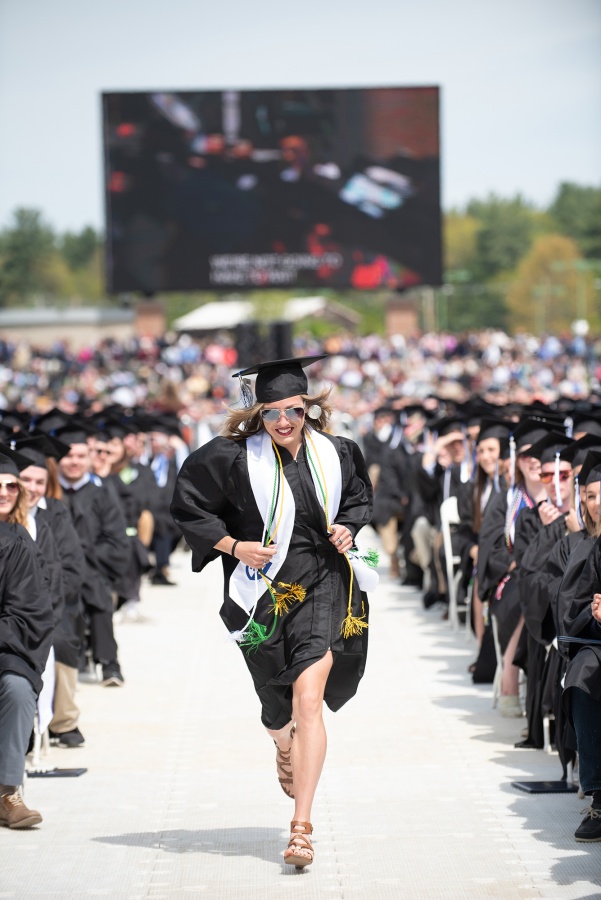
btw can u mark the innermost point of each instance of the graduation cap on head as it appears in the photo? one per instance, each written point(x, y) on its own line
point(74, 431)
point(37, 448)
point(164, 423)
point(591, 467)
point(52, 420)
point(588, 423)
point(11, 462)
point(491, 427)
point(530, 430)
point(449, 425)
point(576, 452)
point(549, 447)
point(13, 420)
point(279, 379)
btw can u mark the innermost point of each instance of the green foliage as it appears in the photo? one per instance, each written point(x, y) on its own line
point(26, 250)
point(505, 233)
point(79, 249)
point(577, 214)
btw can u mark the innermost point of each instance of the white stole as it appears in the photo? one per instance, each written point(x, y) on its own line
point(246, 584)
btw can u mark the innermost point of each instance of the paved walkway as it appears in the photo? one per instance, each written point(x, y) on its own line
point(180, 797)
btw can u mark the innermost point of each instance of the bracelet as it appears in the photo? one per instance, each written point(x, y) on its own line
point(233, 550)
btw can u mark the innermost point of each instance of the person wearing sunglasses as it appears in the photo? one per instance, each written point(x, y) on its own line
point(542, 528)
point(282, 501)
point(26, 624)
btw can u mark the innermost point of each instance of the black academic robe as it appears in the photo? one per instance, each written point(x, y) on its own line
point(213, 498)
point(494, 556)
point(135, 493)
point(68, 632)
point(535, 542)
point(26, 619)
point(584, 669)
point(100, 526)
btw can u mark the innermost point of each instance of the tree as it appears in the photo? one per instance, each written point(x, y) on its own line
point(26, 249)
point(544, 296)
point(80, 248)
point(507, 228)
point(577, 213)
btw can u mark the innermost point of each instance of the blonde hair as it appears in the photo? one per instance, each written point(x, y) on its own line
point(19, 513)
point(241, 423)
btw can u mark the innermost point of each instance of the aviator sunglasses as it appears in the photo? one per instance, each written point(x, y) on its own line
point(548, 477)
point(11, 487)
point(293, 414)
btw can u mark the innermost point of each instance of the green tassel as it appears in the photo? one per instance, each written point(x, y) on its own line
point(371, 558)
point(256, 634)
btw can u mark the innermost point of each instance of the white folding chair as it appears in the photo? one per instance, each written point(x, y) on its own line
point(449, 515)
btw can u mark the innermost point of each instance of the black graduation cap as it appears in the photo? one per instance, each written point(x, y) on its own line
point(449, 425)
point(491, 427)
point(37, 448)
point(50, 421)
point(576, 452)
point(13, 420)
point(591, 467)
point(530, 430)
point(280, 378)
point(587, 423)
point(164, 423)
point(547, 448)
point(11, 462)
point(74, 431)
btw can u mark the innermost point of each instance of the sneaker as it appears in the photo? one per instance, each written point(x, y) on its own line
point(67, 739)
point(589, 829)
point(14, 813)
point(111, 675)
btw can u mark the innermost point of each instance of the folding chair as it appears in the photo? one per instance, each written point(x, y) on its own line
point(449, 515)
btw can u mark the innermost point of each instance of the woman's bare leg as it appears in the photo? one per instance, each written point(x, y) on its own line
point(310, 742)
point(511, 673)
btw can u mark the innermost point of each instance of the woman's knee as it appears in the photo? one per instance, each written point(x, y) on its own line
point(308, 702)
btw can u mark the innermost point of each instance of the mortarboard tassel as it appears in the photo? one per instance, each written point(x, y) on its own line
point(246, 393)
point(496, 484)
point(556, 483)
point(512, 461)
point(577, 502)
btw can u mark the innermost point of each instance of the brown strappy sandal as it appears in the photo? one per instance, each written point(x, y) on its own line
point(299, 840)
point(284, 768)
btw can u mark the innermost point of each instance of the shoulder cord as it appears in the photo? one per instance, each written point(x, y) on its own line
point(352, 625)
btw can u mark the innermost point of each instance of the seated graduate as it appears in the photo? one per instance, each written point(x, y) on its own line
point(582, 692)
point(498, 561)
point(541, 529)
point(26, 623)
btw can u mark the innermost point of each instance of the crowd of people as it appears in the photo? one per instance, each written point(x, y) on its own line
point(524, 481)
point(91, 444)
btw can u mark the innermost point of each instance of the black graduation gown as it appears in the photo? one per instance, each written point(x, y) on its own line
point(494, 556)
point(26, 619)
point(68, 632)
point(213, 498)
point(135, 495)
point(584, 669)
point(100, 526)
point(536, 607)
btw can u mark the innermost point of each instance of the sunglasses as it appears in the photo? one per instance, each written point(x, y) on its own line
point(294, 413)
point(11, 487)
point(548, 477)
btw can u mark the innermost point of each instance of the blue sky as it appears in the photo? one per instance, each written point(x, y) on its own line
point(520, 79)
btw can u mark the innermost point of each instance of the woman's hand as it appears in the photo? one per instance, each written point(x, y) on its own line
point(341, 537)
point(596, 607)
point(254, 554)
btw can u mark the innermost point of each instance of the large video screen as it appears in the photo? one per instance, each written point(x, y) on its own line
point(237, 189)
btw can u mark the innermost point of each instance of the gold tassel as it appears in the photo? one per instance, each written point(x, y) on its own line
point(283, 601)
point(352, 626)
